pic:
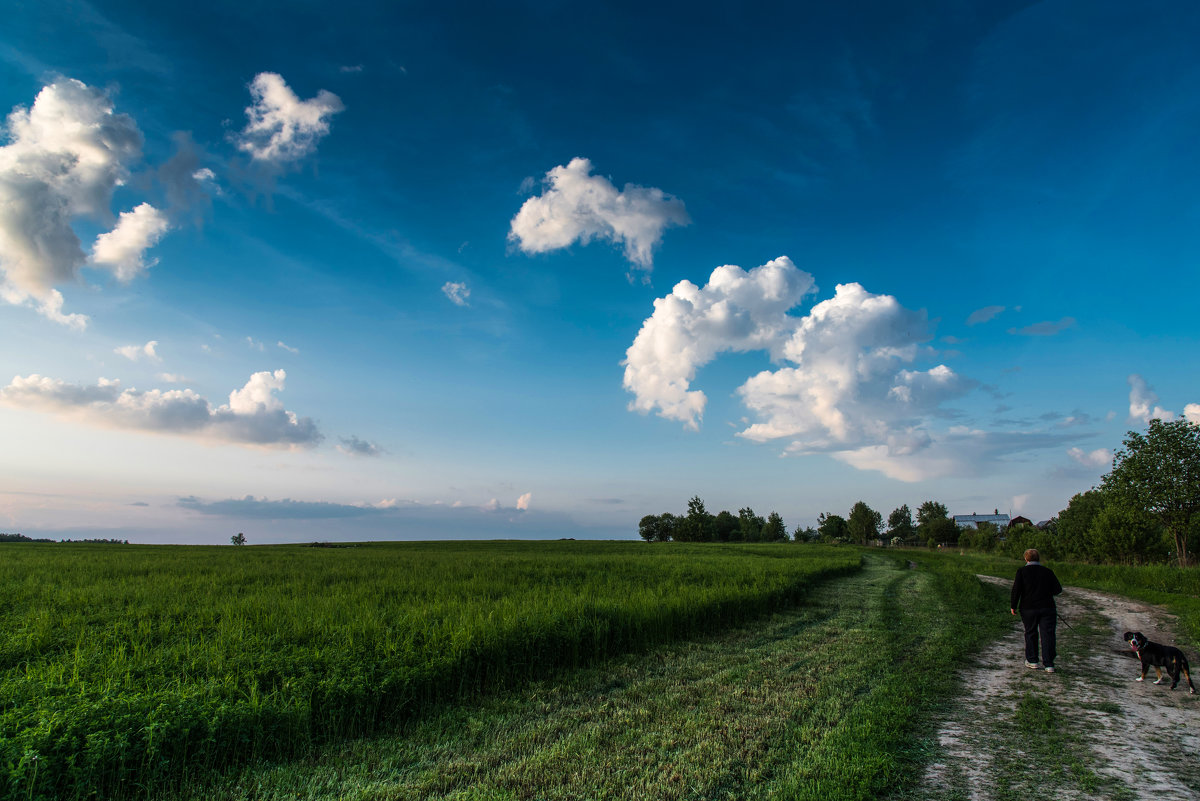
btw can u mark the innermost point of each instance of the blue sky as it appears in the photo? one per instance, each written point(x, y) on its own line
point(400, 270)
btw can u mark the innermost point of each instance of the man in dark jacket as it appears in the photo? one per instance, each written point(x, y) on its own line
point(1033, 593)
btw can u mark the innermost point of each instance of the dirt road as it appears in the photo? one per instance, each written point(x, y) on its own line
point(1087, 731)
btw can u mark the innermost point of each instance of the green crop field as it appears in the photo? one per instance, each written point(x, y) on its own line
point(127, 670)
point(492, 669)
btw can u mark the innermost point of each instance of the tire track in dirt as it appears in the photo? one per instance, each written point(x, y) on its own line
point(1105, 735)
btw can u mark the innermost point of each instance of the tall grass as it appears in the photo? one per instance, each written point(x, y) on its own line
point(1176, 588)
point(134, 668)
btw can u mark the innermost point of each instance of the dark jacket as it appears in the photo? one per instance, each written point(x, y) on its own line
point(1035, 587)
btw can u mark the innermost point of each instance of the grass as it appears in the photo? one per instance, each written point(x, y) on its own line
point(830, 699)
point(135, 668)
point(1175, 588)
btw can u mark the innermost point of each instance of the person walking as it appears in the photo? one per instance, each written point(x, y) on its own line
point(1033, 593)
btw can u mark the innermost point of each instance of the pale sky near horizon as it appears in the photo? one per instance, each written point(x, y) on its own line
point(425, 270)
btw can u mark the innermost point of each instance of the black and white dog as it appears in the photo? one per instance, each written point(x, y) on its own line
point(1158, 656)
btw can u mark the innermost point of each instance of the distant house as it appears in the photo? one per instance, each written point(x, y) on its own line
point(1044, 524)
point(973, 520)
point(1020, 521)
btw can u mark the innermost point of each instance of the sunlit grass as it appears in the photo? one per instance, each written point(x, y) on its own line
point(133, 667)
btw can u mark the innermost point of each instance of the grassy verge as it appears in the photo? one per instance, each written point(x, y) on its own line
point(1176, 588)
point(831, 699)
point(126, 669)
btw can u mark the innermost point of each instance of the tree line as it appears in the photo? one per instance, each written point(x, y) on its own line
point(1145, 510)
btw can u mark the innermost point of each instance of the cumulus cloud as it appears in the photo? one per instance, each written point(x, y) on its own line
point(456, 292)
point(579, 206)
point(122, 248)
point(1143, 402)
point(135, 352)
point(253, 416)
point(353, 446)
point(523, 501)
point(849, 383)
point(1044, 329)
point(983, 315)
point(1101, 457)
point(282, 128)
point(1191, 413)
point(66, 155)
point(735, 311)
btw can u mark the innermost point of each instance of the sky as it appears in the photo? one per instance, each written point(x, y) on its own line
point(400, 270)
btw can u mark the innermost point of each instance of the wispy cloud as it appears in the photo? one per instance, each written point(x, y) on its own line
point(983, 315)
point(458, 293)
point(288, 348)
point(354, 446)
point(1044, 329)
point(136, 352)
point(1101, 457)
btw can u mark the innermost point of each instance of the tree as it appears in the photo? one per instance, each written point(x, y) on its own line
point(238, 539)
point(1127, 535)
point(648, 528)
point(863, 523)
point(774, 530)
point(698, 525)
point(1073, 532)
point(1159, 472)
point(930, 511)
point(725, 526)
point(832, 528)
point(900, 524)
point(750, 525)
point(934, 524)
point(805, 534)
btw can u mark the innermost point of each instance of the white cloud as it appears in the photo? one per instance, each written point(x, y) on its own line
point(353, 446)
point(491, 506)
point(122, 248)
point(135, 352)
point(457, 292)
point(983, 315)
point(281, 127)
point(254, 416)
point(1142, 402)
point(578, 206)
point(850, 385)
point(1191, 413)
point(66, 155)
point(253, 343)
point(523, 501)
point(172, 378)
point(956, 452)
point(1101, 457)
point(288, 348)
point(736, 311)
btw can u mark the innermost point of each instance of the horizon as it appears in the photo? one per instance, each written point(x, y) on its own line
point(408, 271)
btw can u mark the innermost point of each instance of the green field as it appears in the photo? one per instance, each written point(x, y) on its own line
point(127, 668)
point(492, 670)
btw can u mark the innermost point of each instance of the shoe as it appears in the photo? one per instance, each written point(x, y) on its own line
point(1033, 665)
point(1049, 668)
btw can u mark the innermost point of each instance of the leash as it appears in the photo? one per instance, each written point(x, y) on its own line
point(1064, 620)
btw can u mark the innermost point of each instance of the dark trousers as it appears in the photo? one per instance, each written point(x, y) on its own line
point(1045, 623)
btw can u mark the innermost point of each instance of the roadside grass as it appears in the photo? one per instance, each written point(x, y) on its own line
point(1175, 588)
point(126, 670)
point(834, 698)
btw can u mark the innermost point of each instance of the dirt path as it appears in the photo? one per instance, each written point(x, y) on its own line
point(1087, 731)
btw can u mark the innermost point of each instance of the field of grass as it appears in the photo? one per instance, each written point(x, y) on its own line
point(128, 670)
point(832, 699)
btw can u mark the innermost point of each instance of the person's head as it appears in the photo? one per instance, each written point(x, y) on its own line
point(1032, 555)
